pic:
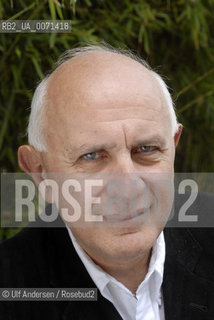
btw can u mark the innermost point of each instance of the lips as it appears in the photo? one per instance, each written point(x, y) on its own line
point(120, 218)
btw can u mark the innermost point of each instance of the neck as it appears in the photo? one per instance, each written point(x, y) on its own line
point(129, 272)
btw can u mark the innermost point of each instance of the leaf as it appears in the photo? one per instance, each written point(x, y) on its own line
point(59, 11)
point(52, 9)
point(37, 67)
point(146, 41)
point(140, 34)
point(52, 40)
point(17, 15)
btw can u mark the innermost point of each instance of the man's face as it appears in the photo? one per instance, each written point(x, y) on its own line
point(107, 116)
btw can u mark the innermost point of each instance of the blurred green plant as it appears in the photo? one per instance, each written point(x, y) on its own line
point(175, 37)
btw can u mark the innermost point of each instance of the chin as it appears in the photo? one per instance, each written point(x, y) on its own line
point(134, 243)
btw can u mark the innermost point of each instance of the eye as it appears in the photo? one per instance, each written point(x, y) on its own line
point(146, 149)
point(90, 156)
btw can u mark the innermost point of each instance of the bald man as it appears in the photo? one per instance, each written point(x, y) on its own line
point(103, 113)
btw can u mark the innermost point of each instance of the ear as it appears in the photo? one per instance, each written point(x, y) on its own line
point(178, 134)
point(30, 162)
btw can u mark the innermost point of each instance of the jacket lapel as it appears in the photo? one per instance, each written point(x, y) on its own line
point(186, 294)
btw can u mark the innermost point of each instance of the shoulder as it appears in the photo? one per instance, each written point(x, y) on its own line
point(39, 253)
point(23, 256)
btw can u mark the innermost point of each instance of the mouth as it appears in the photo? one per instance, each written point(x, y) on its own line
point(133, 220)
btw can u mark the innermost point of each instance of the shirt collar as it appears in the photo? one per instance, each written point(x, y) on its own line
point(155, 271)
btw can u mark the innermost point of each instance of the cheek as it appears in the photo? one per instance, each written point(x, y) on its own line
point(166, 165)
point(95, 241)
point(162, 192)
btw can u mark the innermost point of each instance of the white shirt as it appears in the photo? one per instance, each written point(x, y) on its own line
point(148, 303)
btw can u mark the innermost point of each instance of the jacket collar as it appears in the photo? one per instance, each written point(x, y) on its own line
point(186, 294)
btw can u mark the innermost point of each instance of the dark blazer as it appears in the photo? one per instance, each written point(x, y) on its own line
point(44, 257)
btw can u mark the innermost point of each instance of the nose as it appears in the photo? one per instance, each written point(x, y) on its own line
point(127, 195)
point(127, 186)
point(124, 163)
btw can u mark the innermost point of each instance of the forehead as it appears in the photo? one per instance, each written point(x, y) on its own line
point(98, 76)
point(102, 88)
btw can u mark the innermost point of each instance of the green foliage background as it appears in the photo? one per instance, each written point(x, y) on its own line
point(175, 36)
